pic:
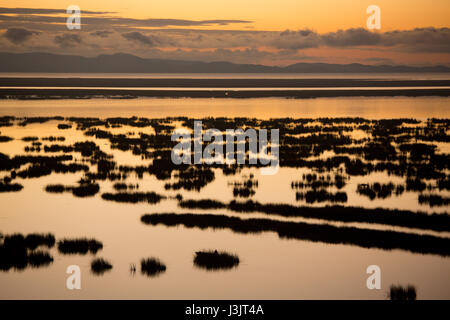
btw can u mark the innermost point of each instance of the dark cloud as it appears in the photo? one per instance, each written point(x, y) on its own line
point(119, 21)
point(295, 40)
point(101, 33)
point(18, 35)
point(416, 40)
point(141, 38)
point(43, 11)
point(68, 40)
point(352, 37)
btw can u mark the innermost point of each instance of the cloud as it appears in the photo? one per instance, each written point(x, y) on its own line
point(101, 33)
point(18, 35)
point(416, 40)
point(109, 21)
point(295, 40)
point(43, 11)
point(351, 37)
point(68, 40)
point(141, 38)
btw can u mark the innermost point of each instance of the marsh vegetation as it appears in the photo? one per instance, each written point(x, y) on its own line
point(215, 260)
point(152, 267)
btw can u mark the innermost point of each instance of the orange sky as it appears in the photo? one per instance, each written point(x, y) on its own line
point(275, 47)
point(320, 15)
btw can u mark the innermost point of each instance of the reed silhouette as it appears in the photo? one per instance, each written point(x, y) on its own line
point(322, 195)
point(403, 218)
point(18, 251)
point(99, 266)
point(10, 187)
point(64, 126)
point(380, 190)
point(152, 267)
point(120, 186)
point(149, 197)
point(82, 190)
point(398, 292)
point(39, 259)
point(366, 238)
point(5, 139)
point(79, 246)
point(215, 260)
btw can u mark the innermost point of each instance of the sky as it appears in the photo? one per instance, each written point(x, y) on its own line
point(270, 32)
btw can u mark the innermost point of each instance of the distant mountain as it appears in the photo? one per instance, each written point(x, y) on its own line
point(127, 63)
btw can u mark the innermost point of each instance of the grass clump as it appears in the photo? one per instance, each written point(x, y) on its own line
point(79, 246)
point(10, 187)
point(214, 260)
point(152, 267)
point(16, 251)
point(99, 266)
point(402, 293)
point(149, 197)
point(39, 259)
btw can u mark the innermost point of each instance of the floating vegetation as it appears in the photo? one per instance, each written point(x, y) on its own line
point(120, 186)
point(39, 259)
point(152, 267)
point(63, 126)
point(246, 188)
point(403, 218)
point(55, 188)
point(191, 178)
point(202, 204)
point(86, 190)
point(321, 196)
point(30, 120)
point(402, 293)
point(149, 197)
point(10, 187)
point(214, 260)
point(99, 266)
point(5, 139)
point(79, 246)
point(366, 238)
point(434, 200)
point(30, 139)
point(379, 190)
point(401, 147)
point(34, 240)
point(17, 251)
point(53, 138)
point(82, 190)
point(315, 181)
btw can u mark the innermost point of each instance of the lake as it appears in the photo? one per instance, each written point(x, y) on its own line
point(290, 246)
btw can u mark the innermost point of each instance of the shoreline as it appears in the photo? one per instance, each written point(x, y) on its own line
point(215, 83)
point(40, 94)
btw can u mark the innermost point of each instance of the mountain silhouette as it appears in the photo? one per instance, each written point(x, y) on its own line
point(127, 63)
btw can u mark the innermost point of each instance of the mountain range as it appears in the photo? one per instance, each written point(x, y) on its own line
point(127, 63)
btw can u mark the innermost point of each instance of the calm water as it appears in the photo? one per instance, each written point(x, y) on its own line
point(391, 76)
point(271, 267)
point(262, 108)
